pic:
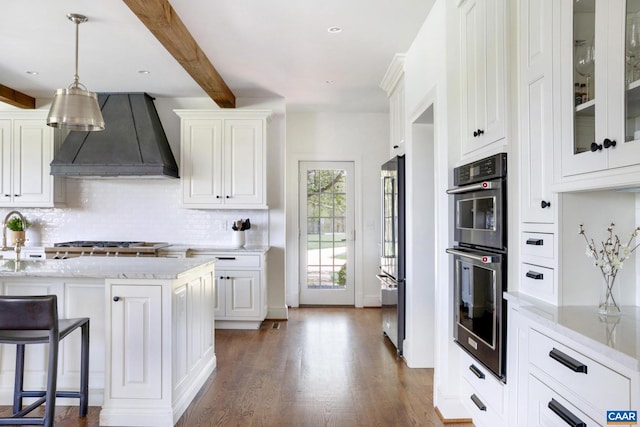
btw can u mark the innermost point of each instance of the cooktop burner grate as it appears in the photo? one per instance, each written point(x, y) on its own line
point(96, 244)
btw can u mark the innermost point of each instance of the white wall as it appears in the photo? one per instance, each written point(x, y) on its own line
point(363, 139)
point(431, 76)
point(149, 210)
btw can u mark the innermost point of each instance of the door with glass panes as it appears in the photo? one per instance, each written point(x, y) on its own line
point(326, 233)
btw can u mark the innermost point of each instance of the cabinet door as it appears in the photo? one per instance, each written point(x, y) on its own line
point(536, 113)
point(201, 162)
point(32, 154)
point(220, 293)
point(5, 163)
point(397, 118)
point(136, 344)
point(484, 72)
point(244, 155)
point(242, 294)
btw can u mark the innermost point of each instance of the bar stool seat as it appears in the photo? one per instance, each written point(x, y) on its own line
point(34, 320)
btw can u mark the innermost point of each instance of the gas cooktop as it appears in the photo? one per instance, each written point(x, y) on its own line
point(97, 244)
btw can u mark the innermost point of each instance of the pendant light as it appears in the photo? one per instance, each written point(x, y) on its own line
point(76, 108)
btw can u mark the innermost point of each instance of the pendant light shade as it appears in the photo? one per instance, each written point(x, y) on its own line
point(76, 108)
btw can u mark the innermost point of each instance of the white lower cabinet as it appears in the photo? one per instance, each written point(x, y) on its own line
point(562, 382)
point(241, 289)
point(482, 394)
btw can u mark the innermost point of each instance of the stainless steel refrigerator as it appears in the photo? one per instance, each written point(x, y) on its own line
point(392, 259)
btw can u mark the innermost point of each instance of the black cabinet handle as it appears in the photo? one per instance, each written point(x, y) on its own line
point(7, 195)
point(545, 204)
point(477, 133)
point(534, 275)
point(226, 258)
point(477, 372)
point(568, 361)
point(608, 143)
point(595, 147)
point(478, 402)
point(565, 414)
point(227, 197)
point(535, 242)
point(395, 146)
point(17, 195)
point(217, 197)
point(116, 299)
point(228, 277)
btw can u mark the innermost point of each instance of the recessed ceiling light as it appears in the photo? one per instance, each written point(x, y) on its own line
point(32, 73)
point(334, 29)
point(144, 72)
point(329, 82)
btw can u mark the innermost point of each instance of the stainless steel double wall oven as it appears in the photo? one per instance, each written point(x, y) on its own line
point(480, 260)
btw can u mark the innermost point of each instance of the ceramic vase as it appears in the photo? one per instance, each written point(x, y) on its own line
point(237, 238)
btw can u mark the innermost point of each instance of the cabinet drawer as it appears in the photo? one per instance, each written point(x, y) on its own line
point(236, 261)
point(483, 414)
point(545, 407)
point(483, 383)
point(593, 382)
point(538, 282)
point(538, 245)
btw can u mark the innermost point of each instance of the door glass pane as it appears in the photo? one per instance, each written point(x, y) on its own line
point(326, 240)
point(632, 71)
point(584, 88)
point(477, 301)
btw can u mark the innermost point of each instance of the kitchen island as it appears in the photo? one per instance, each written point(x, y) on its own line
point(152, 332)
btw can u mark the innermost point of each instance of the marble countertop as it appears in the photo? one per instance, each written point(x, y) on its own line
point(616, 338)
point(207, 248)
point(104, 267)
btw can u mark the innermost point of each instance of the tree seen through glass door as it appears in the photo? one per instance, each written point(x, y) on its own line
point(326, 229)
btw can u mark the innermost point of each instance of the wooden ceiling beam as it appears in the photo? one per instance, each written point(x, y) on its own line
point(162, 20)
point(17, 99)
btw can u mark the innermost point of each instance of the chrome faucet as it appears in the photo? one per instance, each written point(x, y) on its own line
point(19, 241)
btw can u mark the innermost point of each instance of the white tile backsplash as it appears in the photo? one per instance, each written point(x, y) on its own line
point(137, 209)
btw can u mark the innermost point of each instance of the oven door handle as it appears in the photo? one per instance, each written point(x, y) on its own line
point(485, 259)
point(484, 185)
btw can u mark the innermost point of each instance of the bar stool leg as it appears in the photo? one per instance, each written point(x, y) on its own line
point(84, 371)
point(52, 378)
point(18, 386)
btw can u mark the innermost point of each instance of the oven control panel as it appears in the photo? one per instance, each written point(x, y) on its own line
point(493, 167)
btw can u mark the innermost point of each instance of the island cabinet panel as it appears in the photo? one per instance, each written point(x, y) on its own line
point(76, 298)
point(136, 329)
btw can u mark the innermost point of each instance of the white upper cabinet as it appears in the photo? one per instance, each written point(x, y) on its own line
point(393, 84)
point(484, 84)
point(536, 112)
point(600, 44)
point(26, 151)
point(223, 158)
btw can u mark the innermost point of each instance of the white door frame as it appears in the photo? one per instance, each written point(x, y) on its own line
point(293, 227)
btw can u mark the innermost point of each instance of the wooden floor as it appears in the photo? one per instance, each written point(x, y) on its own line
point(323, 367)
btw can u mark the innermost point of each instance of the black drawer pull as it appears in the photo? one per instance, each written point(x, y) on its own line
point(478, 402)
point(226, 258)
point(535, 242)
point(565, 414)
point(568, 361)
point(477, 372)
point(535, 275)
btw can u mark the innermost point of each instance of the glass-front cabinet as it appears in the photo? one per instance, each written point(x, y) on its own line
point(600, 57)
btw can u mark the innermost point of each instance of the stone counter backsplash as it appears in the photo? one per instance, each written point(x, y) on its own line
point(137, 209)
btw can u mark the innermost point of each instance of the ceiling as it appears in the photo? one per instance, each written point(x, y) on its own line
point(261, 48)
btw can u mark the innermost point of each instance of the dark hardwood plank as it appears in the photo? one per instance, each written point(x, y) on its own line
point(323, 367)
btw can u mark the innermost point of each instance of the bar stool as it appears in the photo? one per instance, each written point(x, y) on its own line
point(34, 320)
